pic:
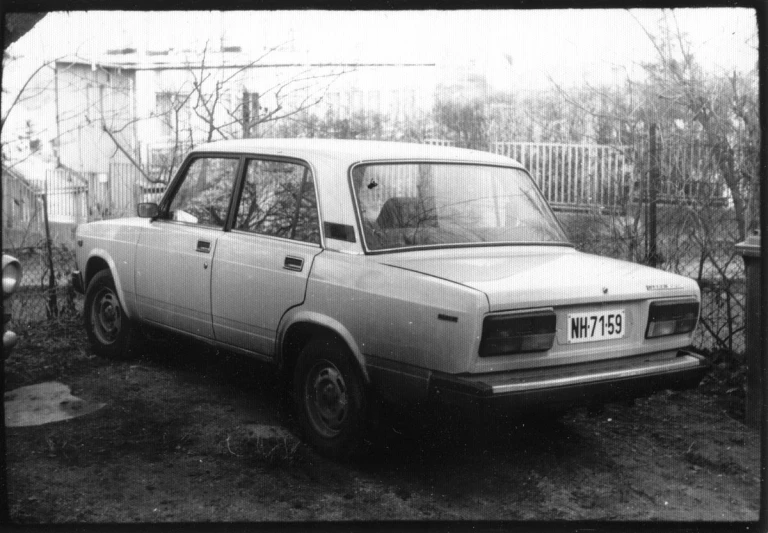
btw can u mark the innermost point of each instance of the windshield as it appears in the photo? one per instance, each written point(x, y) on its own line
point(436, 204)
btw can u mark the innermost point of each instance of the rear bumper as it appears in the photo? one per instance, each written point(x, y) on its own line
point(572, 385)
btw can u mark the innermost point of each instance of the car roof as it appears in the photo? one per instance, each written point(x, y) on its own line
point(353, 151)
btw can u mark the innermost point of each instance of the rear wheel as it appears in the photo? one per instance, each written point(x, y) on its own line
point(330, 397)
point(110, 333)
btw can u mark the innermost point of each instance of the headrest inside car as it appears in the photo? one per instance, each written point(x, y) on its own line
point(404, 212)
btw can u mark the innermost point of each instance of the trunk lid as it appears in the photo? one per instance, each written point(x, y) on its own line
point(540, 276)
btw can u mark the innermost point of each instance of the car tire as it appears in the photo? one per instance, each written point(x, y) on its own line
point(110, 332)
point(330, 398)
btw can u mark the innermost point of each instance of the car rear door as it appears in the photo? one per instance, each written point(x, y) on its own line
point(175, 255)
point(263, 263)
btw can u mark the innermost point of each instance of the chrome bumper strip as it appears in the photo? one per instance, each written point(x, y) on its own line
point(526, 384)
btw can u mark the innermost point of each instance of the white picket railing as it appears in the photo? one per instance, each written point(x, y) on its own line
point(571, 176)
point(574, 175)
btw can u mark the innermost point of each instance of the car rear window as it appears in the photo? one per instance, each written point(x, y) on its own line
point(405, 205)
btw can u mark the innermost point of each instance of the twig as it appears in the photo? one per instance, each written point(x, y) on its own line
point(230, 449)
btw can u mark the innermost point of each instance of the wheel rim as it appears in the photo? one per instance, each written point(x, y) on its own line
point(106, 316)
point(326, 398)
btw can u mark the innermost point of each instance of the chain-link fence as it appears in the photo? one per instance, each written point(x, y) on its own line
point(688, 226)
point(42, 297)
point(697, 241)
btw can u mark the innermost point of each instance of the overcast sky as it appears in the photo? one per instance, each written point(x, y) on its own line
point(558, 41)
point(568, 46)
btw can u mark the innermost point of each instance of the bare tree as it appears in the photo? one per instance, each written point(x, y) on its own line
point(465, 122)
point(721, 108)
point(708, 136)
point(33, 87)
point(215, 103)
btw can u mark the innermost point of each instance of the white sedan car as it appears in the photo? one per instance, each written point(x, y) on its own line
point(409, 273)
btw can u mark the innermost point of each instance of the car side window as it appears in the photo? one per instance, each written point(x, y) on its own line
point(204, 195)
point(279, 200)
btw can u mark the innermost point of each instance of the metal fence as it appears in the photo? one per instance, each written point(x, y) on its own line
point(74, 198)
point(36, 300)
point(696, 241)
point(100, 195)
point(574, 175)
point(583, 176)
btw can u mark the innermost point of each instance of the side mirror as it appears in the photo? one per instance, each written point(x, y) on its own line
point(148, 210)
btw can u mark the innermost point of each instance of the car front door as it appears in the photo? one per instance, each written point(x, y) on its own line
point(263, 264)
point(175, 255)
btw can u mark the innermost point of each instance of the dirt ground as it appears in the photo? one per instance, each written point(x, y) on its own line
point(173, 444)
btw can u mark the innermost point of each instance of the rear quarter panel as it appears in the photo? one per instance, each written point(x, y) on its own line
point(392, 313)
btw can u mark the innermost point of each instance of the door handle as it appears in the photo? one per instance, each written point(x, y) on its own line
point(293, 263)
point(204, 246)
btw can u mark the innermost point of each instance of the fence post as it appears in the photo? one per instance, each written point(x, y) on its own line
point(653, 184)
point(750, 251)
point(53, 305)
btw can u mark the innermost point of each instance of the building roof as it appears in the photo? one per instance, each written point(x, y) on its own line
point(39, 171)
point(19, 177)
point(136, 61)
point(353, 151)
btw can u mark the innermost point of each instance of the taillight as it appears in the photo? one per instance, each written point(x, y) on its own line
point(671, 318)
point(510, 334)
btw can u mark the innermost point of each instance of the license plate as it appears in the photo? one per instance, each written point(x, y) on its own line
point(596, 326)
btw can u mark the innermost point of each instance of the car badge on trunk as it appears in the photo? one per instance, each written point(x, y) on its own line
point(663, 287)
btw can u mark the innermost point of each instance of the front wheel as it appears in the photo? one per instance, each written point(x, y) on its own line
point(330, 398)
point(110, 333)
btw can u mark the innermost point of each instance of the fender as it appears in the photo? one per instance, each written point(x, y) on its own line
point(298, 314)
point(103, 254)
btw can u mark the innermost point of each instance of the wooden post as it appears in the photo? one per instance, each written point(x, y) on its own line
point(53, 305)
point(750, 251)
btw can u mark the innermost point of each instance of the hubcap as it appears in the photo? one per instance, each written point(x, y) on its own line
point(106, 316)
point(326, 398)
